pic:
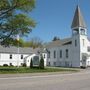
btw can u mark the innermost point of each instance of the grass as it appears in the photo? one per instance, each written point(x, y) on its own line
point(15, 70)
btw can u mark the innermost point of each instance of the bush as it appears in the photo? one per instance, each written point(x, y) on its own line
point(24, 64)
point(31, 63)
point(11, 65)
point(41, 64)
point(83, 67)
point(5, 65)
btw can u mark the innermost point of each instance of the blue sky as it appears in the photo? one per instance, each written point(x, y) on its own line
point(54, 18)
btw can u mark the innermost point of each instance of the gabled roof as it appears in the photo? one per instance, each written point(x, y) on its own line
point(78, 20)
point(59, 43)
point(22, 50)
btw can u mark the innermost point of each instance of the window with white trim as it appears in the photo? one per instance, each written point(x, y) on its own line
point(54, 54)
point(21, 56)
point(10, 56)
point(60, 53)
point(66, 53)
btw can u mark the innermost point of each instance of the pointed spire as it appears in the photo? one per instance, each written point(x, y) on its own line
point(78, 20)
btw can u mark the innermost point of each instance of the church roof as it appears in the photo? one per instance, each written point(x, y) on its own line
point(78, 20)
point(59, 43)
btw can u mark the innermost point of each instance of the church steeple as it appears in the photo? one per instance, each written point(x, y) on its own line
point(78, 20)
point(78, 25)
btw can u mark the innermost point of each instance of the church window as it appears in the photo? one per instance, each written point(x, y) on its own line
point(66, 53)
point(82, 31)
point(60, 53)
point(54, 54)
point(75, 31)
point(49, 54)
point(75, 43)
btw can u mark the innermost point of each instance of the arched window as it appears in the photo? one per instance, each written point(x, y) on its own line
point(82, 31)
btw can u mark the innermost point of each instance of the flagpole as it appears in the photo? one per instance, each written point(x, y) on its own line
point(78, 2)
point(18, 51)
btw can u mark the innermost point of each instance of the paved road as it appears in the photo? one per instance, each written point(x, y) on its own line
point(75, 81)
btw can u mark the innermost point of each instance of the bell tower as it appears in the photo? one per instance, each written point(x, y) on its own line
point(79, 37)
point(78, 25)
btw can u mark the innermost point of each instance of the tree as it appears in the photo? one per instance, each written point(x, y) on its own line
point(31, 63)
point(41, 64)
point(55, 38)
point(34, 42)
point(14, 19)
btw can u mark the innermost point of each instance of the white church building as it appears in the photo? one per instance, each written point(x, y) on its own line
point(68, 52)
point(73, 51)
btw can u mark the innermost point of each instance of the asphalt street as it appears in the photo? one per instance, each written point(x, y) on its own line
point(69, 81)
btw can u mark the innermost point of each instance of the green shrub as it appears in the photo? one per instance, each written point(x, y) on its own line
point(5, 65)
point(31, 63)
point(41, 64)
point(24, 64)
point(11, 65)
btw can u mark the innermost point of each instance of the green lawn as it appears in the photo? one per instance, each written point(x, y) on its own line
point(13, 70)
